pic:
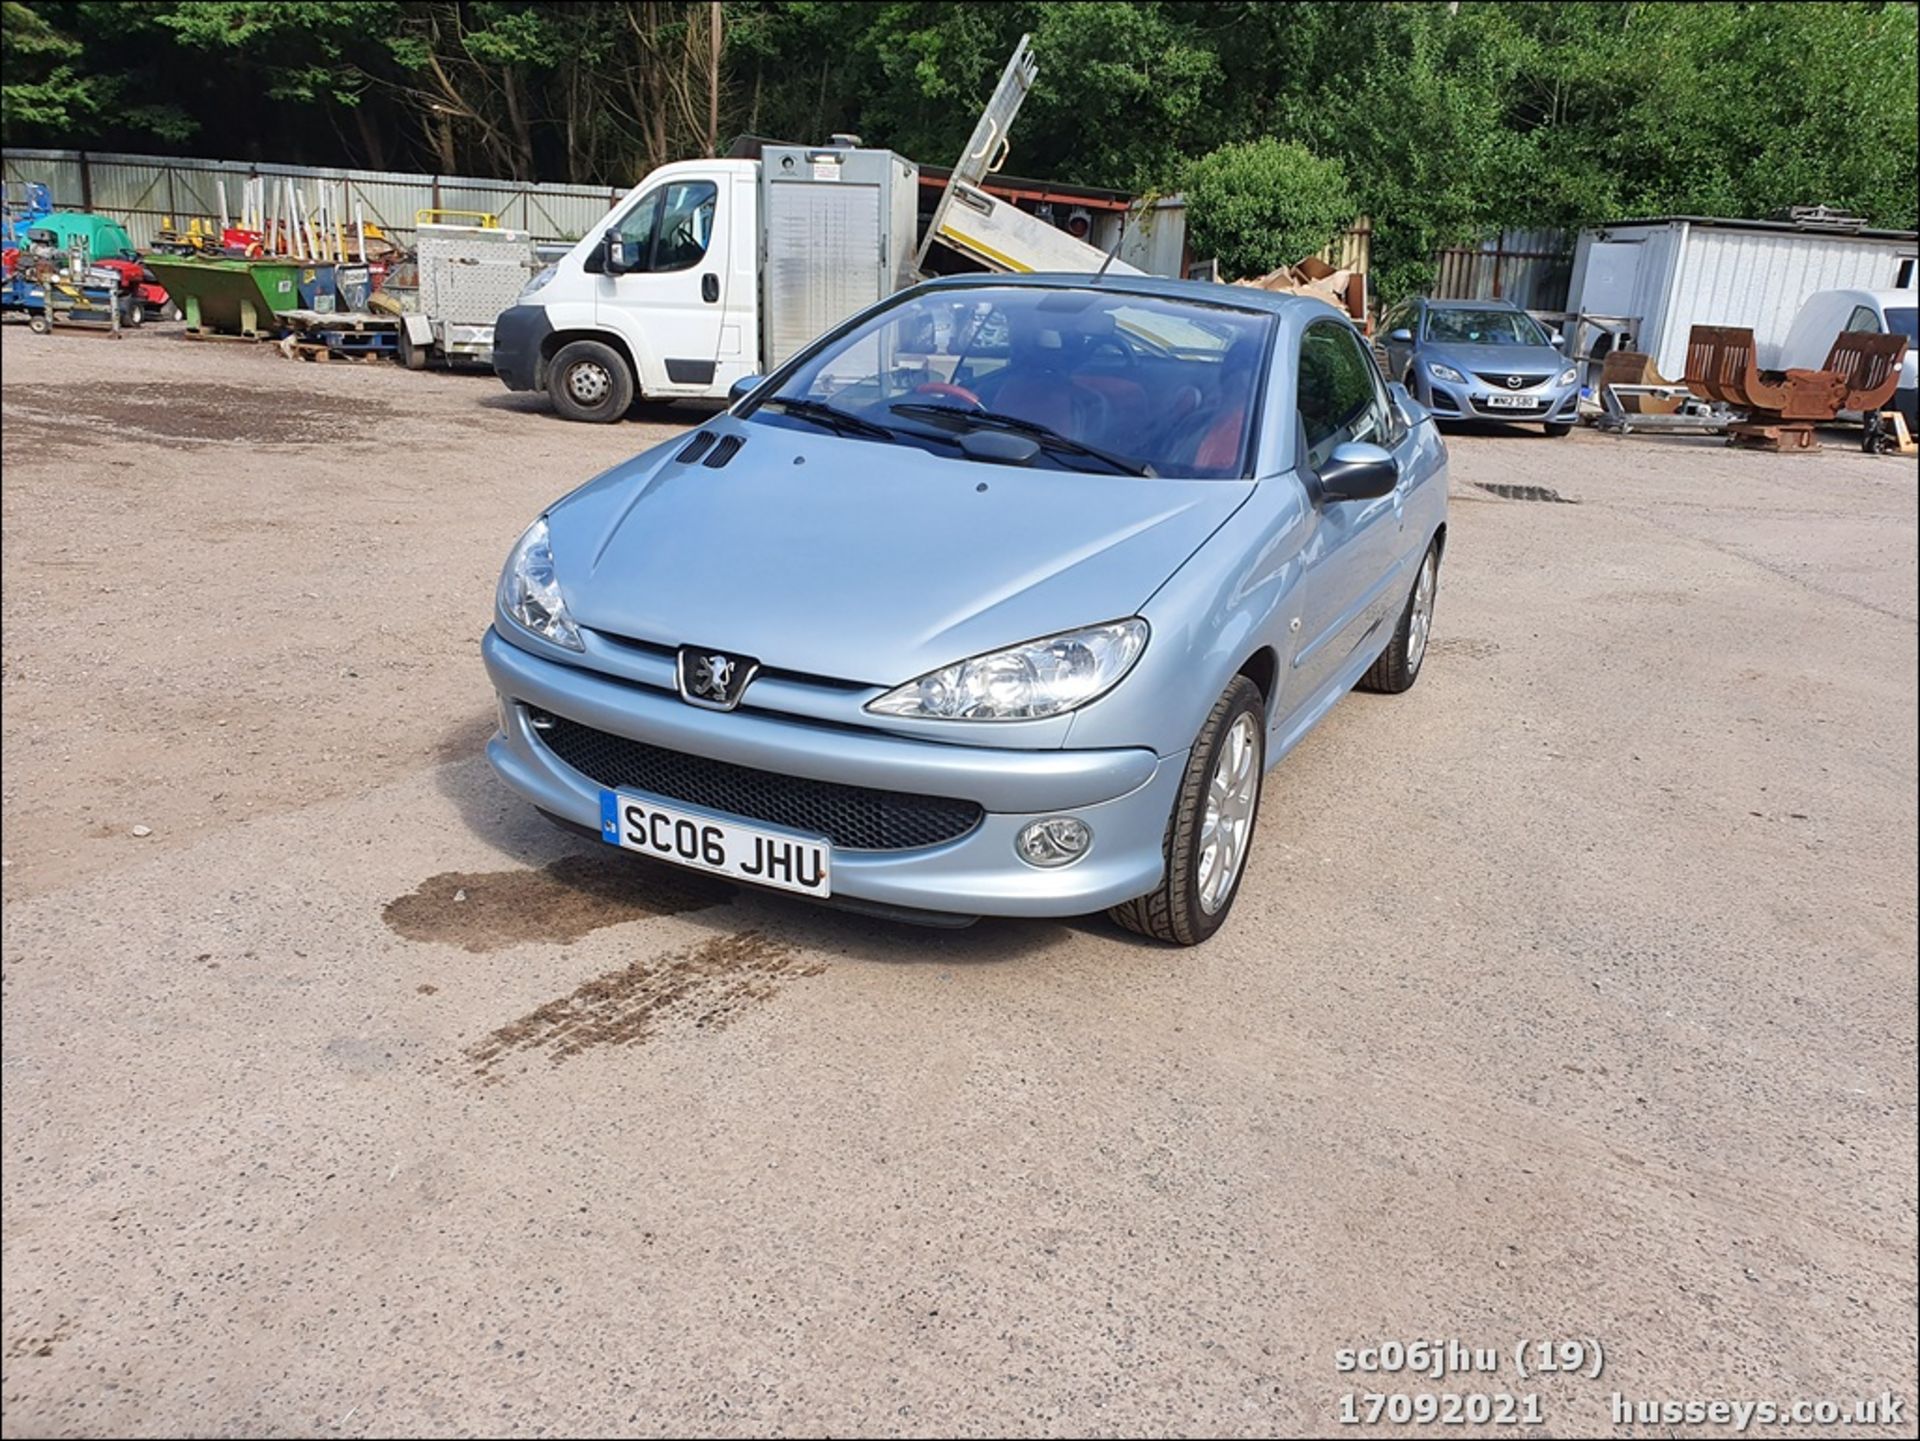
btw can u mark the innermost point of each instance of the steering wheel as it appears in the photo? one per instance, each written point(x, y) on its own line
point(1103, 343)
point(958, 392)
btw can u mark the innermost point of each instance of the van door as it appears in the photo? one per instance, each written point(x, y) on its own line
point(668, 305)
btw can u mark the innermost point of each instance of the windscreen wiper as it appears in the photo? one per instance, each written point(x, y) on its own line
point(1046, 435)
point(833, 418)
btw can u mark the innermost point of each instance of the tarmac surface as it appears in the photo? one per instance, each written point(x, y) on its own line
point(1571, 996)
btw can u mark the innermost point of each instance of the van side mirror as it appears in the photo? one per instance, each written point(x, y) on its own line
point(1358, 471)
point(742, 388)
point(619, 256)
point(1400, 336)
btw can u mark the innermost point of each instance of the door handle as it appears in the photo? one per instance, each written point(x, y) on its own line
point(710, 288)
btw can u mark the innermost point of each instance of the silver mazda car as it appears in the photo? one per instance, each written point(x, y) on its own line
point(1479, 360)
point(998, 599)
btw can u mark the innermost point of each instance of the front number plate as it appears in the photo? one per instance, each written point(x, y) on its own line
point(747, 853)
point(1511, 402)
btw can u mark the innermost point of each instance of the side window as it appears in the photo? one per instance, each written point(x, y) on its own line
point(638, 223)
point(686, 225)
point(1393, 428)
point(1340, 397)
point(671, 227)
point(1863, 318)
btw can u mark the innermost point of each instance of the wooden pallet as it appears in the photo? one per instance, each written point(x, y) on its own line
point(295, 348)
point(351, 322)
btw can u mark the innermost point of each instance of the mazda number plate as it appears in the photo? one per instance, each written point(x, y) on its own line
point(1511, 402)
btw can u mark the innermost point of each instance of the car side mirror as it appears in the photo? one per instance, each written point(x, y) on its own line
point(1400, 336)
point(1556, 339)
point(619, 256)
point(742, 388)
point(1358, 471)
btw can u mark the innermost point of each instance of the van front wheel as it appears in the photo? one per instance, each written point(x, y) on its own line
point(590, 381)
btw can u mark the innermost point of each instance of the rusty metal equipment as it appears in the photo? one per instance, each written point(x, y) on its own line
point(1634, 395)
point(1782, 407)
point(1870, 365)
point(1650, 393)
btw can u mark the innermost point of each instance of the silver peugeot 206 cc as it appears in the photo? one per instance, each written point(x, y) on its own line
point(998, 599)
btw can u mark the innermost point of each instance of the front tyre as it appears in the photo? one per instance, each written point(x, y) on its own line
point(1557, 430)
point(1211, 829)
point(589, 380)
point(1399, 664)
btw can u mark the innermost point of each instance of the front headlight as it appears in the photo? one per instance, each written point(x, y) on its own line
point(1445, 372)
point(540, 279)
point(1026, 682)
point(1567, 376)
point(530, 591)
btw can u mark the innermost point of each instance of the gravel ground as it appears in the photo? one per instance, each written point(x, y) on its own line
point(1572, 995)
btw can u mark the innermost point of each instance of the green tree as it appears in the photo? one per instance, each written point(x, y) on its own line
point(1264, 204)
point(1449, 121)
point(41, 87)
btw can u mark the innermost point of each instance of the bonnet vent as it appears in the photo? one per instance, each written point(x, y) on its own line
point(695, 448)
point(725, 451)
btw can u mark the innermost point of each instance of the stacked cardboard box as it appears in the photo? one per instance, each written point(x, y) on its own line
point(1344, 290)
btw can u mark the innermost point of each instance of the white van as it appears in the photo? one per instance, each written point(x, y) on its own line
point(1826, 314)
point(710, 272)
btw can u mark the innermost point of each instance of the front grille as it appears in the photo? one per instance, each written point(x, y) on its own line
point(1499, 378)
point(853, 817)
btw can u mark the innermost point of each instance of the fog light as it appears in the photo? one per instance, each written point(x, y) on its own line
point(1056, 841)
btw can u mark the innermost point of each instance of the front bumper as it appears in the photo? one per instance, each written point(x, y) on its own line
point(1125, 796)
point(519, 335)
point(1551, 404)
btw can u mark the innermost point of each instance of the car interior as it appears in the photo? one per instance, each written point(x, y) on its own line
point(1111, 387)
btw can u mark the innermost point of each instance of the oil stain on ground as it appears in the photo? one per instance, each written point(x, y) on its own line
point(561, 902)
point(189, 414)
point(704, 986)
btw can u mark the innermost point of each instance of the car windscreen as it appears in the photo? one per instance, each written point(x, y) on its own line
point(1484, 327)
point(1901, 321)
point(1099, 379)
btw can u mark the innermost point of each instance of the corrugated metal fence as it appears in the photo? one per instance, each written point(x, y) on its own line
point(1530, 267)
point(141, 191)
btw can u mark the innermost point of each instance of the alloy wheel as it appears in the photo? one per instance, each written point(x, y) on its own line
point(1231, 797)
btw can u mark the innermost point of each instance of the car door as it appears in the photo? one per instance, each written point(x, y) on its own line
point(1352, 562)
point(669, 302)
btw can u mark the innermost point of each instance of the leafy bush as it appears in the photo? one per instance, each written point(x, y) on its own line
point(1264, 204)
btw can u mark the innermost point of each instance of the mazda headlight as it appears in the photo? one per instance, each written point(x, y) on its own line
point(1026, 682)
point(1445, 372)
point(530, 591)
point(1567, 376)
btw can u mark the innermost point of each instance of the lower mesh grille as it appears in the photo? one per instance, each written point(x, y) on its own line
point(853, 817)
